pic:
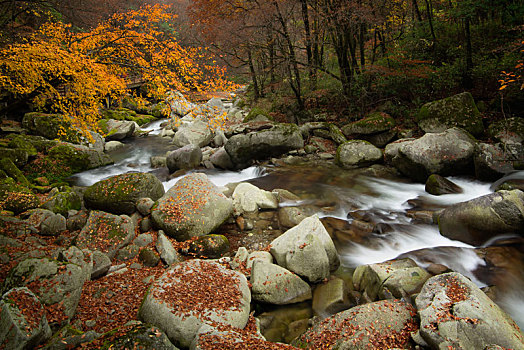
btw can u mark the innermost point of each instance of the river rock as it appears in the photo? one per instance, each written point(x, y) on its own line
point(57, 283)
point(357, 153)
point(221, 159)
point(397, 277)
point(455, 313)
point(113, 146)
point(106, 232)
point(119, 194)
point(53, 225)
point(331, 297)
point(307, 250)
point(209, 246)
point(249, 198)
point(336, 134)
point(23, 322)
point(260, 255)
point(101, 264)
point(119, 129)
point(273, 284)
point(194, 206)
point(194, 293)
point(77, 157)
point(493, 161)
point(167, 251)
point(291, 216)
point(482, 218)
point(447, 153)
point(281, 138)
point(374, 123)
point(178, 104)
point(195, 133)
point(383, 324)
point(454, 111)
point(187, 157)
point(62, 202)
point(438, 185)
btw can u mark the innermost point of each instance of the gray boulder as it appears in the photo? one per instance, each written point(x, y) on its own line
point(113, 146)
point(196, 133)
point(221, 159)
point(178, 104)
point(273, 284)
point(399, 278)
point(357, 153)
point(193, 293)
point(455, 313)
point(187, 157)
point(454, 111)
point(331, 297)
point(194, 206)
point(63, 283)
point(101, 264)
point(78, 157)
point(106, 232)
point(53, 225)
point(119, 129)
point(447, 153)
point(167, 252)
point(23, 322)
point(249, 198)
point(307, 250)
point(438, 185)
point(482, 218)
point(508, 130)
point(119, 194)
point(494, 161)
point(281, 138)
point(385, 324)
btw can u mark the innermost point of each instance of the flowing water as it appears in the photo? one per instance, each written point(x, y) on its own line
point(348, 196)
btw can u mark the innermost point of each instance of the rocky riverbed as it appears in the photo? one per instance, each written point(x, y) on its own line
point(164, 258)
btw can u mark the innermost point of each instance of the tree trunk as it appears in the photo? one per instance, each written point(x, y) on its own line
point(468, 82)
point(253, 74)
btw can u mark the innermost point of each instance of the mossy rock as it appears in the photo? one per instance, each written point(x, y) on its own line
point(18, 156)
point(140, 336)
point(454, 111)
point(142, 119)
point(79, 158)
point(63, 201)
point(510, 129)
point(119, 194)
point(20, 142)
point(374, 123)
point(209, 246)
point(16, 198)
point(255, 112)
point(51, 126)
point(159, 110)
point(11, 170)
point(118, 114)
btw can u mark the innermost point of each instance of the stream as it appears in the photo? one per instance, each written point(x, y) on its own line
point(348, 196)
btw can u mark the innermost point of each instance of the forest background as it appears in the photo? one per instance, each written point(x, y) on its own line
point(333, 60)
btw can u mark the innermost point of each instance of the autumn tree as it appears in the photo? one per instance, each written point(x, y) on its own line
point(60, 70)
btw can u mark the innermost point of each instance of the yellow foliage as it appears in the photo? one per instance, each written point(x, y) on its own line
point(62, 71)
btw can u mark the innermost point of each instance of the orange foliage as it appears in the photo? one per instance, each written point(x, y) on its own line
point(95, 64)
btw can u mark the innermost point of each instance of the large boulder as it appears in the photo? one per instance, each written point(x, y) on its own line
point(374, 123)
point(454, 111)
point(221, 159)
point(508, 130)
point(23, 322)
point(307, 250)
point(447, 153)
point(273, 284)
point(63, 201)
point(194, 206)
point(399, 278)
point(106, 233)
point(194, 293)
point(383, 324)
point(78, 157)
point(119, 194)
point(187, 157)
point(492, 161)
point(456, 314)
point(119, 129)
point(357, 153)
point(331, 297)
point(482, 218)
point(139, 336)
point(178, 104)
point(57, 284)
point(196, 133)
point(264, 144)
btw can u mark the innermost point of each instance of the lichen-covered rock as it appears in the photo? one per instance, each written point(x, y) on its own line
point(482, 218)
point(494, 161)
point(106, 233)
point(455, 313)
point(249, 198)
point(23, 322)
point(383, 324)
point(20, 142)
point(12, 171)
point(55, 283)
point(62, 202)
point(194, 206)
point(307, 250)
point(447, 153)
point(194, 293)
point(167, 251)
point(119, 194)
point(51, 126)
point(399, 278)
point(374, 123)
point(17, 156)
point(187, 157)
point(196, 133)
point(101, 264)
point(357, 153)
point(281, 138)
point(454, 111)
point(118, 129)
point(508, 130)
